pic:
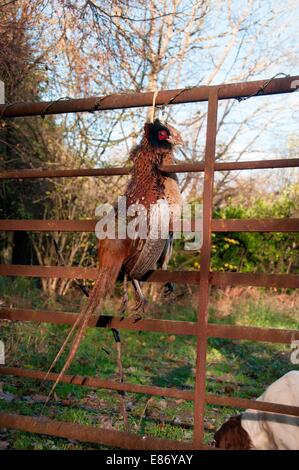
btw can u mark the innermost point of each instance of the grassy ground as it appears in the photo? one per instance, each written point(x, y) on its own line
point(235, 368)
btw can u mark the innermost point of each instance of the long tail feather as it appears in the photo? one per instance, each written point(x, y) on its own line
point(104, 283)
point(78, 319)
point(85, 315)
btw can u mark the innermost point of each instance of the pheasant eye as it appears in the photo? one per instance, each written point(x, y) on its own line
point(162, 135)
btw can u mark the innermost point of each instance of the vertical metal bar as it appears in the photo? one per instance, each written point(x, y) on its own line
point(202, 319)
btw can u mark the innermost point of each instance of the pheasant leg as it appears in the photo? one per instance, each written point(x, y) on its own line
point(140, 298)
point(125, 298)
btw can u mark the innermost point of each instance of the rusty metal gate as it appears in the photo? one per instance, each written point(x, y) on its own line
point(202, 329)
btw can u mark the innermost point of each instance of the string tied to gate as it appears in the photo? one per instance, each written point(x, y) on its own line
point(163, 106)
point(152, 116)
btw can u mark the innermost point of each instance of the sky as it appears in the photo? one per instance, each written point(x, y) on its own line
point(276, 122)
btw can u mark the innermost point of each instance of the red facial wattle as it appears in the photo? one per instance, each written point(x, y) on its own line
point(162, 135)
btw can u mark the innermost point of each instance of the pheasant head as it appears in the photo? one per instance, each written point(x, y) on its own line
point(161, 137)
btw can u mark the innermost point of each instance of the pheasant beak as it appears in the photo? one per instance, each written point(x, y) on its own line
point(174, 138)
point(170, 139)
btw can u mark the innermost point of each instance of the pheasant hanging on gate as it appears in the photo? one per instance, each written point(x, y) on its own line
point(137, 256)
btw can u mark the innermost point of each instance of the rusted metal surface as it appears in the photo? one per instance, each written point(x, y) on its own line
point(80, 432)
point(218, 225)
point(133, 100)
point(205, 255)
point(255, 279)
point(48, 225)
point(220, 279)
point(244, 403)
point(48, 271)
point(62, 173)
point(187, 395)
point(100, 321)
point(178, 168)
point(251, 333)
point(96, 382)
point(180, 277)
point(256, 164)
point(255, 225)
point(272, 335)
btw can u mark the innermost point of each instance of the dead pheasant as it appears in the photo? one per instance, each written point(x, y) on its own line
point(136, 256)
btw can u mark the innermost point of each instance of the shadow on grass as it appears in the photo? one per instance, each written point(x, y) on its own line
point(254, 364)
point(176, 377)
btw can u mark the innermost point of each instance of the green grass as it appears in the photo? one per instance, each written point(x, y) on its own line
point(235, 368)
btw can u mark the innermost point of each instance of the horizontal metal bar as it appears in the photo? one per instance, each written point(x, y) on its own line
point(251, 333)
point(61, 173)
point(255, 225)
point(180, 277)
point(252, 404)
point(220, 279)
point(255, 279)
point(178, 168)
point(218, 225)
point(132, 100)
point(151, 390)
point(100, 321)
point(96, 382)
point(272, 335)
point(48, 271)
point(83, 433)
point(48, 225)
point(232, 166)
